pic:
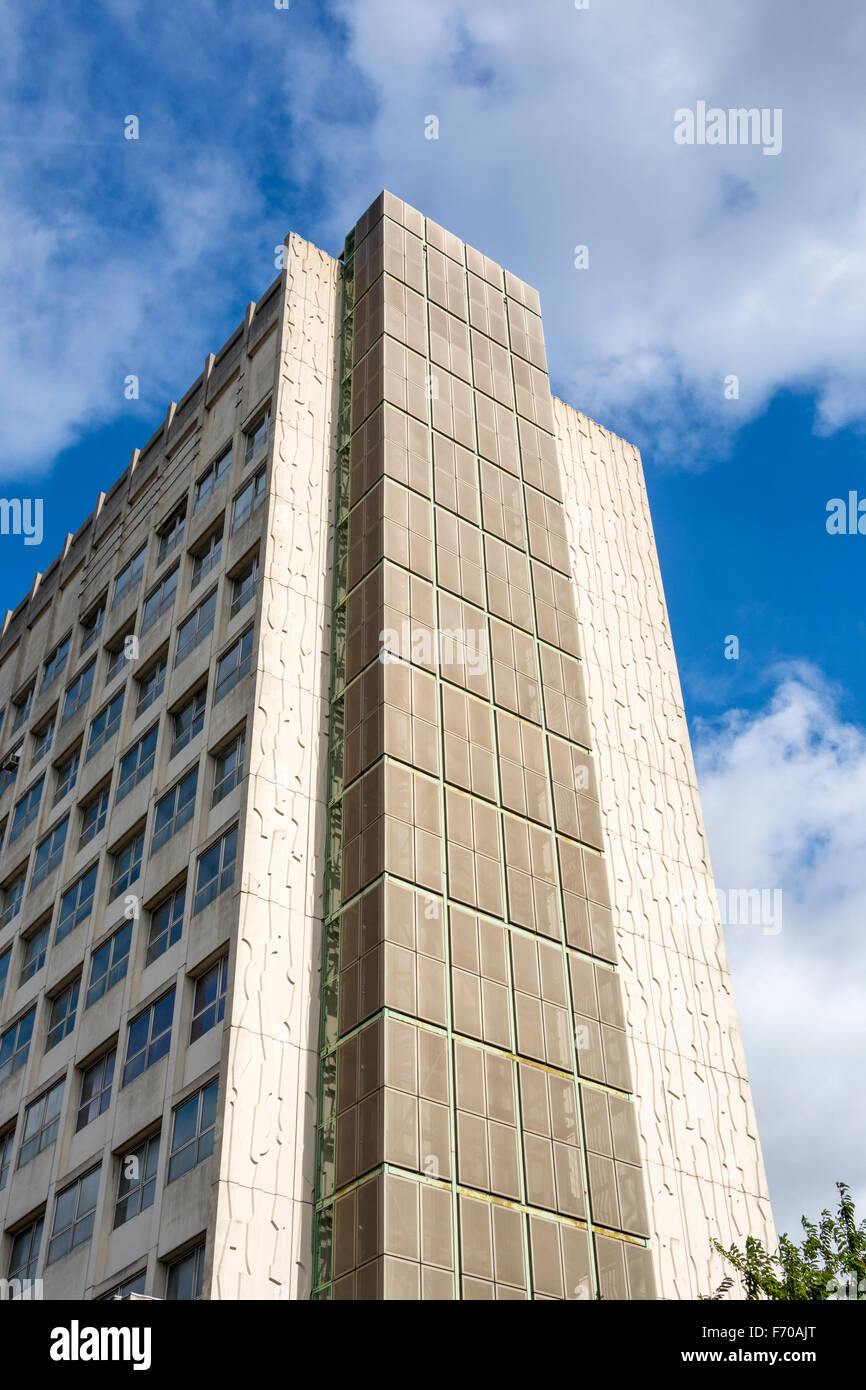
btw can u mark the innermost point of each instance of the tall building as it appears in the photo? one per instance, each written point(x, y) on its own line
point(357, 933)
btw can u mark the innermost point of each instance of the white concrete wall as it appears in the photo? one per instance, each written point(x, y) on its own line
point(264, 1206)
point(701, 1152)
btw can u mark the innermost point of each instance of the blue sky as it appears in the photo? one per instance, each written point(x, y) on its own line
point(556, 130)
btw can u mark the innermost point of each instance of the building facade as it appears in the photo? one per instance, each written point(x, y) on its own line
point(357, 928)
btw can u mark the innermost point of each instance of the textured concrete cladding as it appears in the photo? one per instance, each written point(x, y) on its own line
point(697, 1124)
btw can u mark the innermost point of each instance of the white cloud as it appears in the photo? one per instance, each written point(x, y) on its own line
point(784, 796)
point(557, 130)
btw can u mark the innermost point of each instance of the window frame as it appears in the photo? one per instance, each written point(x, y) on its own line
point(223, 685)
point(62, 931)
point(103, 1093)
point(181, 815)
point(122, 590)
point(65, 1024)
point(185, 648)
point(256, 487)
point(201, 1009)
point(51, 669)
point(47, 1130)
point(164, 605)
point(173, 930)
point(111, 726)
point(132, 872)
point(84, 1218)
point(64, 788)
point(253, 567)
point(54, 857)
point(203, 1111)
point(116, 967)
point(149, 1148)
point(219, 789)
point(215, 470)
point(150, 1039)
point(217, 878)
point(13, 1053)
point(144, 753)
point(82, 684)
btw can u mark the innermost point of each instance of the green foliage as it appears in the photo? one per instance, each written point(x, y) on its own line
point(828, 1262)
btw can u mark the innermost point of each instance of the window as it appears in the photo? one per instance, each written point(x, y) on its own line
point(96, 1088)
point(61, 1020)
point(192, 1131)
point(74, 1214)
point(151, 686)
point(209, 1004)
point(93, 815)
point(211, 478)
point(108, 964)
point(171, 535)
point(42, 740)
point(13, 895)
point(166, 925)
point(137, 764)
point(78, 693)
point(35, 950)
point(41, 1120)
point(15, 1044)
point(92, 624)
point(6, 1141)
point(185, 1275)
point(247, 500)
point(49, 853)
point(234, 665)
point(195, 629)
point(206, 557)
point(136, 1284)
point(67, 774)
point(56, 662)
point(26, 810)
point(256, 438)
point(159, 600)
point(9, 768)
point(216, 870)
point(174, 810)
point(105, 725)
point(228, 768)
point(4, 969)
point(244, 586)
point(188, 721)
point(124, 648)
point(25, 1251)
point(76, 904)
point(22, 706)
point(149, 1037)
point(127, 867)
point(137, 1184)
point(129, 576)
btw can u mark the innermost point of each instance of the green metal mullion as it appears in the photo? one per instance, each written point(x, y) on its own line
point(330, 980)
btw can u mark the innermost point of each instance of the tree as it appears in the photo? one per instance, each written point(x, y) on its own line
point(829, 1263)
